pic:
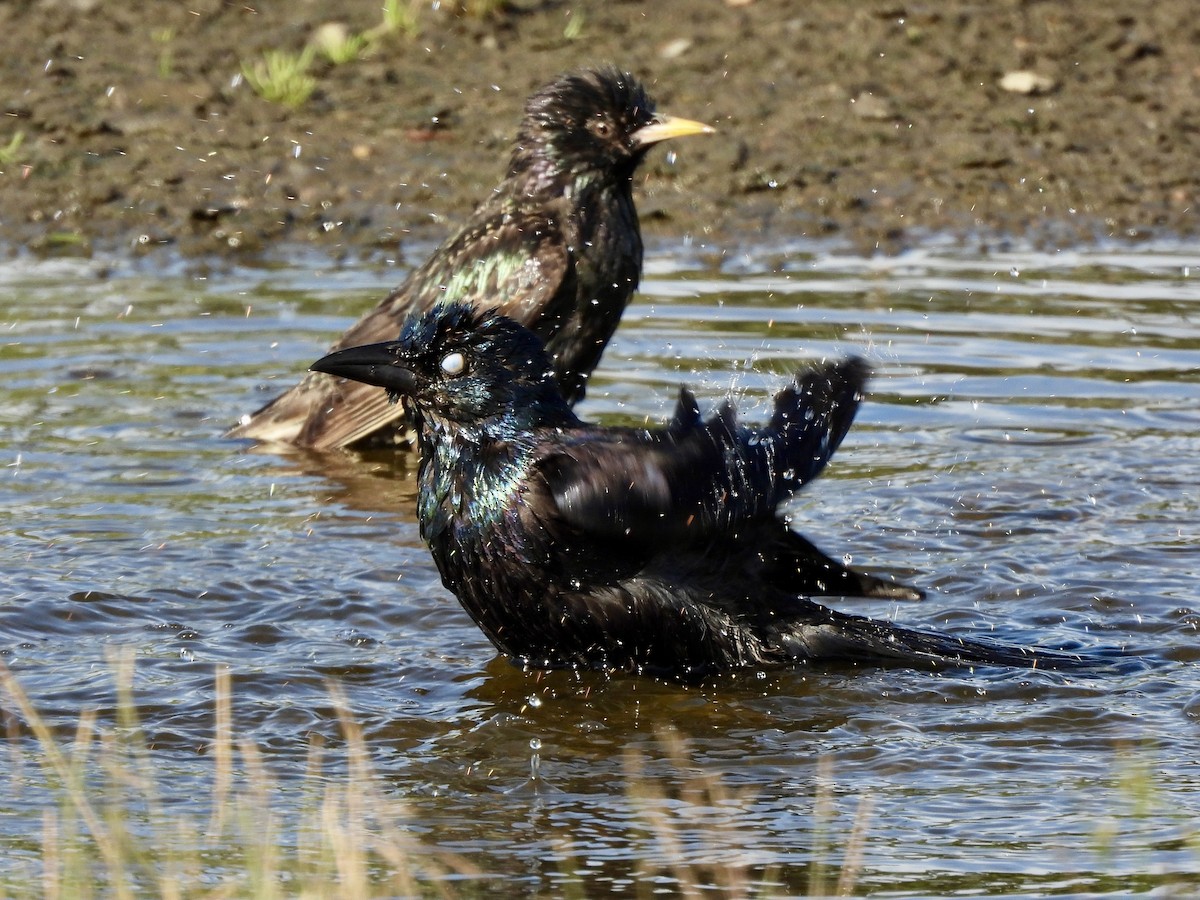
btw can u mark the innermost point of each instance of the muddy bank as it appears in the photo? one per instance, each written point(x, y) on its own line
point(130, 128)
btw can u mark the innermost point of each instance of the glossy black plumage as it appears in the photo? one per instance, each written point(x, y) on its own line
point(556, 246)
point(656, 551)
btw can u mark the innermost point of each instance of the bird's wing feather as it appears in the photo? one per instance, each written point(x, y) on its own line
point(794, 564)
point(695, 480)
point(511, 259)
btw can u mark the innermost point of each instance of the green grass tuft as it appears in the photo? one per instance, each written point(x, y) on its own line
point(282, 77)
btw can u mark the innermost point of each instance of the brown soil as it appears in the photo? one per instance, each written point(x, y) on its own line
point(127, 125)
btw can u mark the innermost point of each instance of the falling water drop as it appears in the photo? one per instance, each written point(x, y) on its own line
point(535, 760)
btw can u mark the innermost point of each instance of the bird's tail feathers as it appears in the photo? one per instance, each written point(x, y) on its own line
point(857, 638)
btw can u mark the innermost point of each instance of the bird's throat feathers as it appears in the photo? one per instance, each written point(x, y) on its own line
point(541, 174)
point(470, 475)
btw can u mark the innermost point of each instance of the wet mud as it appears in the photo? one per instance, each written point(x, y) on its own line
point(135, 128)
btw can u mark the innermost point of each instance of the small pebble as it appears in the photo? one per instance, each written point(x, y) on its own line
point(1023, 82)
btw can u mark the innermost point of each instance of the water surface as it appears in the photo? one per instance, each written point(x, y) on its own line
point(1029, 455)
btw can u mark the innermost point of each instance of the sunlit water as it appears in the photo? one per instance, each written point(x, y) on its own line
point(1029, 454)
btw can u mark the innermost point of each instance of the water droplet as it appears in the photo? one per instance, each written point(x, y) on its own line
point(534, 701)
point(535, 744)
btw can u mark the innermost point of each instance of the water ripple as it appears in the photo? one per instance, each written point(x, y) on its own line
point(1028, 454)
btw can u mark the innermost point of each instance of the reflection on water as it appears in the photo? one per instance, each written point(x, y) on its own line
point(1028, 455)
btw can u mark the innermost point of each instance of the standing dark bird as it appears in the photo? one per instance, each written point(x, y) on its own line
point(655, 551)
point(556, 246)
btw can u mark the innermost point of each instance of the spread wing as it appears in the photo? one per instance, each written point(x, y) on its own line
point(697, 480)
point(517, 261)
point(700, 483)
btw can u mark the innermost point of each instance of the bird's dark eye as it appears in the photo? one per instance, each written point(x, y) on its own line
point(454, 363)
point(601, 128)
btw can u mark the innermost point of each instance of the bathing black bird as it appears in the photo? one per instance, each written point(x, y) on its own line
point(556, 246)
point(652, 551)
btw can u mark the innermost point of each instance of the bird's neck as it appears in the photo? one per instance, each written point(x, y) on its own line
point(538, 177)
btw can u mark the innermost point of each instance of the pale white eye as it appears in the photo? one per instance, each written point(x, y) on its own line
point(453, 363)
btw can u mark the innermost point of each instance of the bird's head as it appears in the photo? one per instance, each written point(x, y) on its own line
point(458, 364)
point(594, 122)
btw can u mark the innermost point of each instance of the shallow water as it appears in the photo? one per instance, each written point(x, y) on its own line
point(1029, 454)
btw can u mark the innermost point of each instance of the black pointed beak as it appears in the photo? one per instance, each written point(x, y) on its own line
point(376, 364)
